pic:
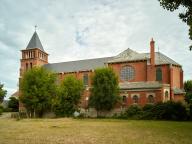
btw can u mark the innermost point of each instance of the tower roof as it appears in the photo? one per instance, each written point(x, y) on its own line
point(35, 42)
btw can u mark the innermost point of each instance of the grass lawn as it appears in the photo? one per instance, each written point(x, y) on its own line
point(94, 131)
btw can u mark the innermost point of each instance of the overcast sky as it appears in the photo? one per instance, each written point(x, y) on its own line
point(81, 29)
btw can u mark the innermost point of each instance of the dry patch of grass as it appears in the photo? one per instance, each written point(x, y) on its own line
point(93, 131)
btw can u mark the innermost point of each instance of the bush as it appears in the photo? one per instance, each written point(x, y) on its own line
point(148, 107)
point(7, 110)
point(190, 111)
point(13, 104)
point(1, 110)
point(169, 111)
point(160, 111)
point(64, 109)
point(147, 111)
point(133, 112)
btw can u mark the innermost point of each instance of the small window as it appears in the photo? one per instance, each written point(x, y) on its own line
point(135, 99)
point(26, 66)
point(31, 65)
point(124, 99)
point(151, 99)
point(33, 54)
point(158, 74)
point(85, 79)
point(127, 73)
point(166, 95)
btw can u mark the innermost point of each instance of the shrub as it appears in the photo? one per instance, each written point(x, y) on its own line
point(133, 112)
point(147, 111)
point(82, 115)
point(148, 107)
point(13, 104)
point(190, 111)
point(64, 109)
point(169, 111)
point(160, 111)
point(7, 109)
point(1, 110)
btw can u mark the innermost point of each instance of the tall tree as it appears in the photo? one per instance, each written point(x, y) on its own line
point(105, 91)
point(2, 93)
point(188, 90)
point(13, 104)
point(186, 15)
point(69, 95)
point(38, 89)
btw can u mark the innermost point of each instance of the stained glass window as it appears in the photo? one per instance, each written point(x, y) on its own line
point(127, 73)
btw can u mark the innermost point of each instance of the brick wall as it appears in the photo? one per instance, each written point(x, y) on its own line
point(139, 67)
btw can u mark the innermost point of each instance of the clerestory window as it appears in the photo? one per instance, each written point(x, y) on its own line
point(158, 74)
point(127, 73)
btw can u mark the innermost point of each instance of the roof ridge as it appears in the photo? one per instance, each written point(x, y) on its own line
point(81, 60)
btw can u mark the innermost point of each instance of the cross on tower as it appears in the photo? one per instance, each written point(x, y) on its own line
point(35, 27)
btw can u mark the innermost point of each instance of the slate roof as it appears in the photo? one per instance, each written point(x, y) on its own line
point(162, 59)
point(15, 94)
point(130, 55)
point(141, 85)
point(80, 65)
point(90, 64)
point(35, 42)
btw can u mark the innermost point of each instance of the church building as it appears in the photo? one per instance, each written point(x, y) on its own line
point(144, 78)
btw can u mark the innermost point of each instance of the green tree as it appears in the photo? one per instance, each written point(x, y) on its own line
point(38, 89)
point(188, 90)
point(13, 104)
point(69, 95)
point(105, 91)
point(2, 93)
point(186, 15)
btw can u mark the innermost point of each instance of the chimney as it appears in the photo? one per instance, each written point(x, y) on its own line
point(152, 51)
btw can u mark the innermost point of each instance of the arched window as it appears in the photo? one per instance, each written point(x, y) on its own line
point(135, 99)
point(26, 66)
point(158, 74)
point(166, 95)
point(124, 99)
point(127, 73)
point(151, 99)
point(31, 65)
point(85, 79)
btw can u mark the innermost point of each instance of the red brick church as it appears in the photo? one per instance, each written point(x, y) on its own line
point(143, 77)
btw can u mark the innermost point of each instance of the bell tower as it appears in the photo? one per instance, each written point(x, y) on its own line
point(33, 55)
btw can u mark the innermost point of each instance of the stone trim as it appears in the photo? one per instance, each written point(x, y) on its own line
point(137, 94)
point(148, 94)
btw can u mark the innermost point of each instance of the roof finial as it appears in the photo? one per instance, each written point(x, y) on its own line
point(35, 27)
